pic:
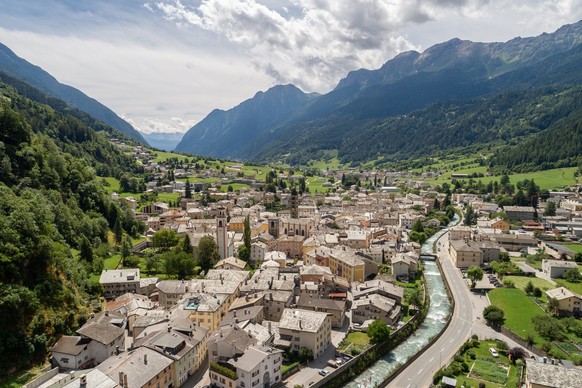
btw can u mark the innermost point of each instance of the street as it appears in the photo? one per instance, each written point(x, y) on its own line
point(466, 320)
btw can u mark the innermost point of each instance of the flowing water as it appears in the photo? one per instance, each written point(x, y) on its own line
point(439, 310)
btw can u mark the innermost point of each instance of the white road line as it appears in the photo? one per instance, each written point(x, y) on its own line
point(431, 359)
point(419, 371)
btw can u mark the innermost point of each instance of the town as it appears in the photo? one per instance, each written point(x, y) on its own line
point(297, 286)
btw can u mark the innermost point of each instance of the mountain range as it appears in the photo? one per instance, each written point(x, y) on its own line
point(374, 114)
point(20, 69)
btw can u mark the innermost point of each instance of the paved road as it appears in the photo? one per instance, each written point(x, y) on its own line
point(467, 320)
point(421, 371)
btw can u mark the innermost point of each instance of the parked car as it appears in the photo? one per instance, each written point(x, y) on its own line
point(493, 352)
point(357, 325)
point(323, 372)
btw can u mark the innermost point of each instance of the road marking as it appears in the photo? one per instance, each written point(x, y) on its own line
point(431, 359)
point(443, 349)
point(419, 371)
point(451, 340)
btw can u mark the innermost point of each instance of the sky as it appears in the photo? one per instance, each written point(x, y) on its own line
point(163, 65)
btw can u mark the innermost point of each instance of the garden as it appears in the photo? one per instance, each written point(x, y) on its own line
point(558, 337)
point(474, 364)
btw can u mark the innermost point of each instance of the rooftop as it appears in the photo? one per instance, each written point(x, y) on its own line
point(302, 320)
point(253, 357)
point(119, 276)
point(549, 375)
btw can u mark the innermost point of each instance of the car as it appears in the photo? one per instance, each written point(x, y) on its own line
point(346, 358)
point(493, 352)
point(357, 325)
point(323, 372)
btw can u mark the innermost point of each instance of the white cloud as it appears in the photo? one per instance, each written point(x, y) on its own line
point(317, 44)
point(167, 75)
point(312, 48)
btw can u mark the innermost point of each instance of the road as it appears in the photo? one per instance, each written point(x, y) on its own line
point(466, 321)
point(422, 370)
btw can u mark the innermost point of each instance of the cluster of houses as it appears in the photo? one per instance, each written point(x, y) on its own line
point(481, 244)
point(325, 263)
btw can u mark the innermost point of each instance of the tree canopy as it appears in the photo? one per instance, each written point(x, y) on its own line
point(494, 315)
point(378, 331)
point(475, 273)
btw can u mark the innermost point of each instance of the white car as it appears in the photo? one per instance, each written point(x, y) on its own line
point(493, 352)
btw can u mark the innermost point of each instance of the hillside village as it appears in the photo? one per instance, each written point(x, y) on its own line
point(319, 267)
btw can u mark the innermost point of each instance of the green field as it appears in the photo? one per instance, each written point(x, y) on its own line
point(521, 281)
point(235, 187)
point(355, 340)
point(548, 179)
point(112, 185)
point(162, 156)
point(315, 184)
point(519, 310)
point(575, 247)
point(574, 287)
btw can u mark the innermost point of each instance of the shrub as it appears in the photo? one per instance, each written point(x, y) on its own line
point(471, 354)
point(501, 345)
point(355, 351)
point(509, 283)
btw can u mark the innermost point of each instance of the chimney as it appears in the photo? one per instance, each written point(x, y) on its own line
point(145, 359)
point(234, 313)
point(300, 325)
point(269, 326)
point(117, 350)
point(246, 297)
point(125, 384)
point(83, 380)
point(169, 329)
point(121, 379)
point(271, 295)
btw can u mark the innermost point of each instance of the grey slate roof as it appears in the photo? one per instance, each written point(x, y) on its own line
point(549, 375)
point(302, 320)
point(134, 364)
point(101, 332)
point(72, 345)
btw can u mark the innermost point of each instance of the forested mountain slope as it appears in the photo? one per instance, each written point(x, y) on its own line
point(52, 201)
point(517, 104)
point(18, 68)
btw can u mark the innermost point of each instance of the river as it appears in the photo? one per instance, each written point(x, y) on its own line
point(439, 310)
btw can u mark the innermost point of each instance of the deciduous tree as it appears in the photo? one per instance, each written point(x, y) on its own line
point(494, 315)
point(475, 273)
point(378, 331)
